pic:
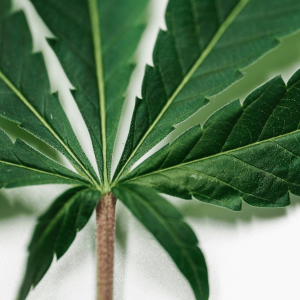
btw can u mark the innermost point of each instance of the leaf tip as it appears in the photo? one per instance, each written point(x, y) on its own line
point(294, 79)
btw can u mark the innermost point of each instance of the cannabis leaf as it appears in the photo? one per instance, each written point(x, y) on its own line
point(55, 232)
point(168, 227)
point(248, 152)
point(96, 41)
point(201, 54)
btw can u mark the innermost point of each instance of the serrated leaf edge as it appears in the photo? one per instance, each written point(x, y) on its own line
point(18, 93)
point(171, 231)
point(216, 155)
point(235, 12)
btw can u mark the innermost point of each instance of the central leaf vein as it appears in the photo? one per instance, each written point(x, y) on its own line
point(40, 171)
point(228, 152)
point(95, 23)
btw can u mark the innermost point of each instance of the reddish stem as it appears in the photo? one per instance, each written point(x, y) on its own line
point(105, 212)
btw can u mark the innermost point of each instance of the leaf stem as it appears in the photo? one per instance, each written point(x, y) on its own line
point(105, 220)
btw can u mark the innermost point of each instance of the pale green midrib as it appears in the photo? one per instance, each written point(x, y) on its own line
point(239, 7)
point(214, 156)
point(41, 171)
point(178, 241)
point(95, 23)
point(89, 177)
point(210, 176)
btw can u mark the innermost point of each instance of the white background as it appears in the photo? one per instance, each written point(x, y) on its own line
point(253, 254)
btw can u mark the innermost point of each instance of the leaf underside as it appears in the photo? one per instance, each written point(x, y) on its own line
point(201, 54)
point(25, 91)
point(170, 230)
point(21, 165)
point(244, 152)
point(55, 232)
point(96, 41)
point(248, 152)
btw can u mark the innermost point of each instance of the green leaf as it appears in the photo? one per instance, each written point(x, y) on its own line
point(21, 165)
point(201, 54)
point(170, 230)
point(55, 232)
point(96, 43)
point(25, 92)
point(248, 152)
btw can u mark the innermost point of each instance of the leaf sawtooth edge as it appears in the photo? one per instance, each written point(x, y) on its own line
point(167, 225)
point(55, 231)
point(22, 165)
point(113, 27)
point(248, 152)
point(27, 90)
point(224, 62)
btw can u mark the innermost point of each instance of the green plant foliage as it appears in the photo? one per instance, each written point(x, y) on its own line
point(55, 232)
point(96, 42)
point(25, 91)
point(248, 152)
point(170, 230)
point(21, 165)
point(200, 55)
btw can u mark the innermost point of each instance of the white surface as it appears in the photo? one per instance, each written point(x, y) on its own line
point(250, 255)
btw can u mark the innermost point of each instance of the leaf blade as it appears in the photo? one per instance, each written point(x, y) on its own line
point(227, 40)
point(25, 92)
point(21, 165)
point(108, 40)
point(247, 152)
point(55, 232)
point(170, 230)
